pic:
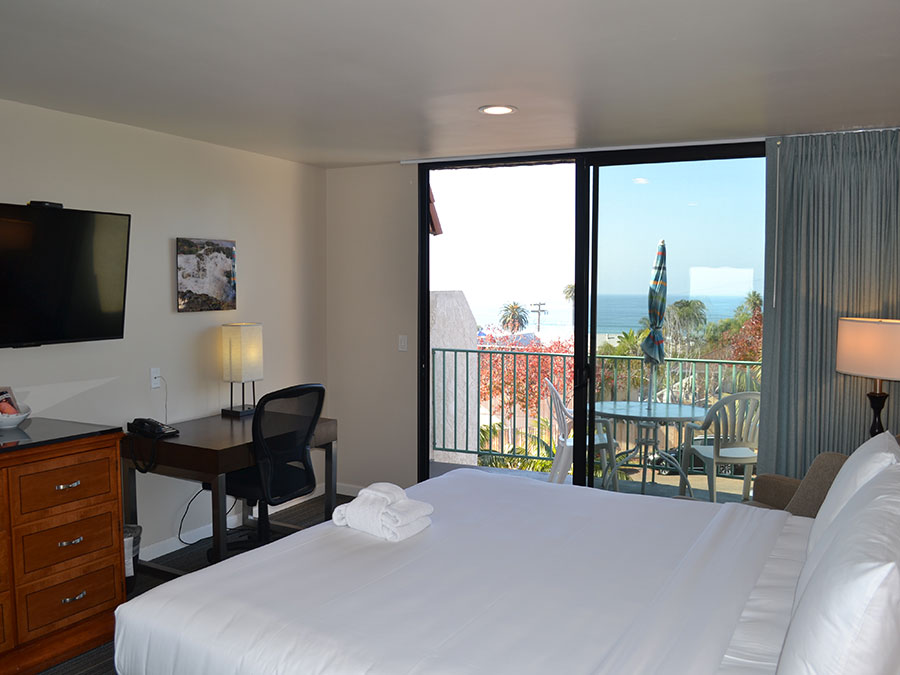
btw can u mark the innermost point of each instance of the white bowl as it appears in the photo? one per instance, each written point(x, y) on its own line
point(10, 421)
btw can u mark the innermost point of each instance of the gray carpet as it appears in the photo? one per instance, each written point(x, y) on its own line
point(99, 661)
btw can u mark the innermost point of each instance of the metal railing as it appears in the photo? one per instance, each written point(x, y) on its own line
point(493, 403)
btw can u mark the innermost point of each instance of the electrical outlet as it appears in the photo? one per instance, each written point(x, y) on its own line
point(403, 343)
point(155, 380)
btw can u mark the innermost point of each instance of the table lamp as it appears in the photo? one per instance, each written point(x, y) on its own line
point(242, 361)
point(870, 348)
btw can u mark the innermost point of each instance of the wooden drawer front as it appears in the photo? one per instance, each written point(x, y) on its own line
point(57, 485)
point(7, 631)
point(4, 502)
point(47, 605)
point(5, 564)
point(46, 544)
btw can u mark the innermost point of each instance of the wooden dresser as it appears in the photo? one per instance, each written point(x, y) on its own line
point(61, 560)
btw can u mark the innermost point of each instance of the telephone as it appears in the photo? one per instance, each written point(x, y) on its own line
point(144, 426)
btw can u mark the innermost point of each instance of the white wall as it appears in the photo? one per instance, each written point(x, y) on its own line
point(371, 295)
point(274, 209)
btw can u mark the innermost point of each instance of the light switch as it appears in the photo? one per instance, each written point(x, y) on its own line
point(403, 343)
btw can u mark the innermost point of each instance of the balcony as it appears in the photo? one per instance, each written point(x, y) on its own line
point(490, 407)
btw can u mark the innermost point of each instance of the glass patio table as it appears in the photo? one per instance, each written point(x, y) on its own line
point(649, 416)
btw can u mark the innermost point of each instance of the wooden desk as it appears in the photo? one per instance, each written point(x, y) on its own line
point(205, 450)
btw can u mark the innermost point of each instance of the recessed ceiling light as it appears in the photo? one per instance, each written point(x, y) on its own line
point(497, 109)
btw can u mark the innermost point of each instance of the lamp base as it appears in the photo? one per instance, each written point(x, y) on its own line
point(876, 399)
point(238, 411)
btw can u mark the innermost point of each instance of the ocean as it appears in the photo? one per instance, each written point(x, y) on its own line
point(615, 313)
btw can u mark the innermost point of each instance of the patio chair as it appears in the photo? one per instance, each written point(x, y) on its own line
point(733, 422)
point(604, 443)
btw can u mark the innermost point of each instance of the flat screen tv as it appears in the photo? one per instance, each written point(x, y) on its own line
point(62, 275)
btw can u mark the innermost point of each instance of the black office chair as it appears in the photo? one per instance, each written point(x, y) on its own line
point(283, 426)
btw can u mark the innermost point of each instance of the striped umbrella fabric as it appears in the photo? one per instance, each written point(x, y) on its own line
point(652, 346)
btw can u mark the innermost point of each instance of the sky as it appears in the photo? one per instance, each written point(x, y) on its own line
point(509, 231)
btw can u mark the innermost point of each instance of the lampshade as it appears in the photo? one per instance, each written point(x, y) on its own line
point(869, 347)
point(242, 352)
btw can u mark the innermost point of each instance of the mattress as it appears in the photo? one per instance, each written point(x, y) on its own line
point(513, 576)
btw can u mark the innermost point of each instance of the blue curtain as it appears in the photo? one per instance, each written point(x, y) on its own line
point(832, 250)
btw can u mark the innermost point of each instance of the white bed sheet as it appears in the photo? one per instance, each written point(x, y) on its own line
point(756, 643)
point(514, 576)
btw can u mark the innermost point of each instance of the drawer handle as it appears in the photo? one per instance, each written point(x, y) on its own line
point(69, 486)
point(66, 601)
point(77, 540)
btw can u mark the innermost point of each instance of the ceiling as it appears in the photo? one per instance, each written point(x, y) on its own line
point(347, 82)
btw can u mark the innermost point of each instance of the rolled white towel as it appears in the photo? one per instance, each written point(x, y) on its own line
point(401, 532)
point(393, 493)
point(405, 511)
point(364, 513)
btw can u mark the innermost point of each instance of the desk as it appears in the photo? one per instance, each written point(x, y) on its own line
point(205, 450)
point(656, 413)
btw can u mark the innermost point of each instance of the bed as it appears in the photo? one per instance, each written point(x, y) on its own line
point(513, 576)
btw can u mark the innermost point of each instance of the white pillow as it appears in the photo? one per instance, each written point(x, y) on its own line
point(847, 616)
point(864, 464)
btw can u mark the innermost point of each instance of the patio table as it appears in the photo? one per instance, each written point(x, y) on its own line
point(651, 414)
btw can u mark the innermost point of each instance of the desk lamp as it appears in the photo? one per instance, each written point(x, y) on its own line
point(242, 361)
point(870, 348)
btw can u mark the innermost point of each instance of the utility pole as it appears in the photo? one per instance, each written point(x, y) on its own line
point(540, 310)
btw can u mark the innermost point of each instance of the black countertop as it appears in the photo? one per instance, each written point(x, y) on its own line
point(37, 431)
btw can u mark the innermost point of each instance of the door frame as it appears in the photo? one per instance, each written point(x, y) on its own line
point(585, 271)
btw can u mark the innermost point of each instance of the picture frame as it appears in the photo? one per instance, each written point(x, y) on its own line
point(205, 274)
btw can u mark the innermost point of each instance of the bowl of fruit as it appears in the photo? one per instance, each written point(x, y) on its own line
point(12, 416)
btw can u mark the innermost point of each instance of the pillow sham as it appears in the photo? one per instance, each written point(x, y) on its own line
point(864, 464)
point(847, 605)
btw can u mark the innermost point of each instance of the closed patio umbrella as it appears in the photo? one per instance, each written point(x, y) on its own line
point(652, 345)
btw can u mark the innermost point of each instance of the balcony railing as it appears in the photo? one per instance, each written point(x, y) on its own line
point(493, 403)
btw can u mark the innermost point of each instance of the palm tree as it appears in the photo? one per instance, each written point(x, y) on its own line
point(569, 292)
point(752, 303)
point(685, 320)
point(513, 317)
point(629, 343)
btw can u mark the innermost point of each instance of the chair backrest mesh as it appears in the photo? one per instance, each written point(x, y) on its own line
point(283, 427)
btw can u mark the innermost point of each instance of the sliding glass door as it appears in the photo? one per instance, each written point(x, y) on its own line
point(673, 258)
point(535, 275)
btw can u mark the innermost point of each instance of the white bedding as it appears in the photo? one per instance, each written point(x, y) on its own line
point(513, 576)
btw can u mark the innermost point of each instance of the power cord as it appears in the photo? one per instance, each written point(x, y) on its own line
point(165, 401)
point(151, 463)
point(184, 515)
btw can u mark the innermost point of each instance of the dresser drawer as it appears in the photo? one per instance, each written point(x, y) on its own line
point(63, 599)
point(7, 632)
point(55, 543)
point(6, 578)
point(57, 485)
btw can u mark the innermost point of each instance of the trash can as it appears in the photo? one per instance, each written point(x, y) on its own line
point(132, 548)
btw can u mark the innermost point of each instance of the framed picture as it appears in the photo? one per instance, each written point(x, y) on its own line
point(8, 403)
point(205, 272)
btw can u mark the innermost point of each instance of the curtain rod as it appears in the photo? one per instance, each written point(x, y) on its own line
point(573, 151)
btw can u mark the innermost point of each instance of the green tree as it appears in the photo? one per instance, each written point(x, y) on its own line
point(751, 305)
point(513, 317)
point(685, 321)
point(629, 342)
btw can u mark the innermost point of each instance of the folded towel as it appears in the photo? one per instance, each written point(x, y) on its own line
point(406, 511)
point(393, 493)
point(381, 511)
point(363, 513)
point(401, 532)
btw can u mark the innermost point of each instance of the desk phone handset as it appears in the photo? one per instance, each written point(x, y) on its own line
point(150, 428)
